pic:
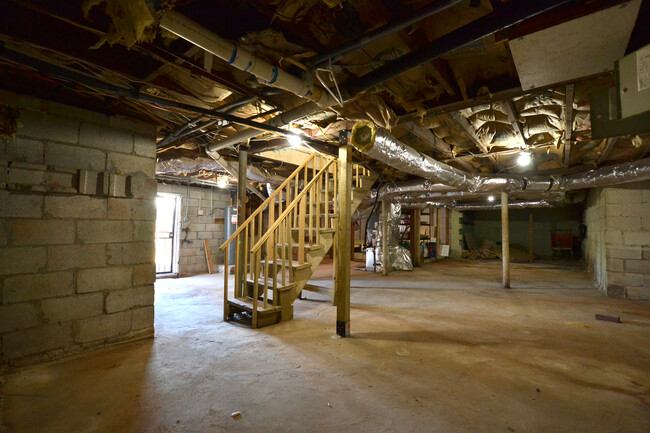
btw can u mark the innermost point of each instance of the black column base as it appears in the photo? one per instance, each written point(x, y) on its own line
point(343, 329)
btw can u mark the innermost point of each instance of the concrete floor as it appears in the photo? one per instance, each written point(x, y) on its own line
point(440, 349)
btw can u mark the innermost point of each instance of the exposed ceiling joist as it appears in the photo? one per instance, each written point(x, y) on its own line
point(428, 138)
point(568, 119)
point(611, 142)
point(471, 133)
point(511, 112)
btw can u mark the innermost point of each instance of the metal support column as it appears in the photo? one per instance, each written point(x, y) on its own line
point(416, 254)
point(385, 262)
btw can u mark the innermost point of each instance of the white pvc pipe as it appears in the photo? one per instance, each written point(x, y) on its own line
point(241, 59)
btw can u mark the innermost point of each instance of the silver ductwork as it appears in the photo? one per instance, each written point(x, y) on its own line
point(382, 146)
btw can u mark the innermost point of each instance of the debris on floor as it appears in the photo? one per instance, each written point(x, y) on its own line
point(403, 352)
point(483, 249)
point(606, 318)
point(236, 415)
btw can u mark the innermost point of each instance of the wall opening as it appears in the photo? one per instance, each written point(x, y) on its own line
point(167, 227)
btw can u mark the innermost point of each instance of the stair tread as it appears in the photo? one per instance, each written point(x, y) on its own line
point(289, 285)
point(307, 247)
point(322, 230)
point(295, 264)
point(247, 304)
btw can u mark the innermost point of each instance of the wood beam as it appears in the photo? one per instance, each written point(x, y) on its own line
point(531, 252)
point(505, 240)
point(471, 133)
point(568, 119)
point(343, 239)
point(242, 248)
point(416, 256)
point(429, 138)
point(609, 145)
point(511, 112)
point(385, 262)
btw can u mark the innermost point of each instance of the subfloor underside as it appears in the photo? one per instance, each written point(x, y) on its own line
point(440, 349)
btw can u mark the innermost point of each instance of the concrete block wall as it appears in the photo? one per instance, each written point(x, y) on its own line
point(618, 239)
point(197, 227)
point(77, 215)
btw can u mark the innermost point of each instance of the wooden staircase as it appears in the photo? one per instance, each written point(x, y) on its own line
point(283, 241)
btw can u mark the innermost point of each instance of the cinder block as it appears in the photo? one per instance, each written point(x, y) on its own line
point(197, 227)
point(17, 316)
point(142, 318)
point(41, 339)
point(62, 155)
point(74, 112)
point(116, 185)
point(140, 186)
point(640, 238)
point(637, 209)
point(105, 138)
point(145, 145)
point(613, 237)
point(20, 205)
point(42, 232)
point(22, 149)
point(637, 266)
point(204, 235)
point(639, 293)
point(108, 278)
point(624, 253)
point(144, 230)
point(47, 127)
point(63, 257)
point(625, 279)
point(195, 193)
point(190, 236)
point(120, 300)
point(76, 206)
point(144, 274)
point(132, 126)
point(72, 307)
point(128, 209)
point(620, 195)
point(22, 260)
point(187, 252)
point(130, 164)
point(61, 182)
point(20, 101)
point(95, 232)
point(88, 182)
point(4, 237)
point(102, 327)
point(131, 253)
point(616, 265)
point(37, 286)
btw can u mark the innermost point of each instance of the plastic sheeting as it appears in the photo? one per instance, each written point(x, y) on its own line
point(398, 256)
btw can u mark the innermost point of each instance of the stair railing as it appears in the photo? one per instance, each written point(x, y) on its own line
point(252, 228)
point(278, 239)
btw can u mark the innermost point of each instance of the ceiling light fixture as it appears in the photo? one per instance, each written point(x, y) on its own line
point(222, 181)
point(294, 141)
point(524, 159)
point(490, 198)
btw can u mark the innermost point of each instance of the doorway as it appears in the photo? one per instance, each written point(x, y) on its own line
point(167, 225)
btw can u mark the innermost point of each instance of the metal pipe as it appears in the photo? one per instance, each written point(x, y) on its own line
point(517, 11)
point(278, 121)
point(241, 59)
point(505, 240)
point(381, 32)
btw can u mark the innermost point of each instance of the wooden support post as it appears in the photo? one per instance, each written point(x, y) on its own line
point(416, 254)
point(241, 217)
point(384, 237)
point(438, 232)
point(505, 240)
point(343, 257)
point(531, 253)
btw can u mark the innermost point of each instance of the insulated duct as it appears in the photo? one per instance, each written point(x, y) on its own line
point(241, 59)
point(523, 204)
point(380, 145)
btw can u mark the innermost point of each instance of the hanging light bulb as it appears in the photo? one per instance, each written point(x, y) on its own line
point(490, 198)
point(222, 181)
point(294, 141)
point(524, 158)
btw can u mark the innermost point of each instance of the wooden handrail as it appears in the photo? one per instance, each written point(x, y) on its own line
point(267, 201)
point(290, 207)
